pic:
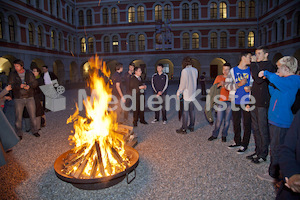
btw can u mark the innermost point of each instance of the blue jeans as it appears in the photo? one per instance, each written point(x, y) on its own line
point(189, 111)
point(223, 115)
point(30, 106)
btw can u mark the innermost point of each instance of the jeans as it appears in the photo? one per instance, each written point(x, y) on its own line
point(223, 115)
point(163, 109)
point(189, 110)
point(277, 136)
point(30, 105)
point(237, 115)
point(260, 127)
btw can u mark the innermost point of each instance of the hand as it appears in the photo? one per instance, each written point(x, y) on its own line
point(22, 85)
point(221, 84)
point(123, 99)
point(27, 87)
point(8, 88)
point(261, 74)
point(8, 98)
point(159, 93)
point(293, 183)
point(247, 108)
point(178, 96)
point(242, 82)
point(145, 87)
point(247, 88)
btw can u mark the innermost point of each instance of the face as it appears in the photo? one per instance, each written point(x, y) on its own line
point(45, 69)
point(226, 70)
point(159, 69)
point(35, 72)
point(18, 67)
point(131, 68)
point(138, 72)
point(121, 69)
point(247, 59)
point(281, 71)
point(260, 55)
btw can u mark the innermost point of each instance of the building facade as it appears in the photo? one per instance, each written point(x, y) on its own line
point(64, 34)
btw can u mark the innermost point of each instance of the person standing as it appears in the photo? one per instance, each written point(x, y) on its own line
point(127, 78)
point(259, 115)
point(137, 86)
point(23, 83)
point(202, 83)
point(187, 88)
point(48, 76)
point(222, 113)
point(237, 82)
point(159, 83)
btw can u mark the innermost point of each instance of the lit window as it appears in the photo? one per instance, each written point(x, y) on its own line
point(115, 43)
point(82, 45)
point(223, 10)
point(140, 12)
point(141, 42)
point(106, 44)
point(131, 14)
point(105, 16)
point(213, 40)
point(223, 40)
point(241, 39)
point(251, 39)
point(167, 11)
point(186, 41)
point(91, 44)
point(31, 33)
point(114, 15)
point(213, 11)
point(242, 9)
point(89, 19)
point(195, 41)
point(158, 13)
point(185, 12)
point(195, 11)
point(132, 43)
point(53, 39)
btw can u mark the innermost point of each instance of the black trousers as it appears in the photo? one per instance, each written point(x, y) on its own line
point(237, 116)
point(138, 113)
point(163, 109)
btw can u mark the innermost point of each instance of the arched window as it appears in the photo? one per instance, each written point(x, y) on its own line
point(31, 33)
point(81, 18)
point(1, 29)
point(53, 38)
point(28, 2)
point(105, 16)
point(223, 10)
point(131, 14)
point(82, 45)
point(167, 11)
point(115, 41)
point(298, 25)
point(68, 14)
point(12, 29)
point(282, 28)
point(89, 20)
point(185, 12)
point(60, 42)
point(186, 41)
point(51, 7)
point(131, 43)
point(265, 35)
point(242, 9)
point(140, 13)
point(70, 43)
point(106, 44)
point(251, 9)
point(241, 39)
point(251, 39)
point(223, 40)
point(195, 11)
point(213, 11)
point(158, 13)
point(275, 32)
point(37, 3)
point(91, 44)
point(141, 42)
point(213, 40)
point(74, 45)
point(114, 15)
point(72, 16)
point(57, 8)
point(195, 41)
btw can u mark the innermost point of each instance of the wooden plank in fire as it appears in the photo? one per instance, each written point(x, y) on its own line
point(117, 156)
point(99, 158)
point(76, 154)
point(82, 165)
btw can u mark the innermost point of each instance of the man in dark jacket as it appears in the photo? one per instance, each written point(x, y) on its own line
point(261, 94)
point(23, 83)
point(48, 76)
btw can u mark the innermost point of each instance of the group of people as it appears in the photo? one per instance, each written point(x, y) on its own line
point(28, 108)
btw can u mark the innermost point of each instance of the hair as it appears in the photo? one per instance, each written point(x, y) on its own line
point(118, 66)
point(37, 69)
point(290, 62)
point(244, 54)
point(160, 64)
point(264, 48)
point(45, 66)
point(132, 64)
point(20, 62)
point(136, 68)
point(227, 65)
point(186, 61)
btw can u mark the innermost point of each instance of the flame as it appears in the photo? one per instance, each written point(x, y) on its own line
point(97, 128)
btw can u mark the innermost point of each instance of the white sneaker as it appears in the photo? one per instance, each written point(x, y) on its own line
point(154, 121)
point(266, 177)
point(164, 122)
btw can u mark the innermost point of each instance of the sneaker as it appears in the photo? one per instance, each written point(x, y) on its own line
point(154, 121)
point(266, 177)
point(211, 138)
point(233, 146)
point(181, 131)
point(241, 150)
point(36, 134)
point(164, 122)
point(258, 160)
point(223, 139)
point(252, 156)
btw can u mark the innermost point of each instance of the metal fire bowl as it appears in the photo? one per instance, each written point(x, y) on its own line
point(98, 183)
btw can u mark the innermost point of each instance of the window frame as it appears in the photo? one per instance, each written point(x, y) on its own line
point(185, 40)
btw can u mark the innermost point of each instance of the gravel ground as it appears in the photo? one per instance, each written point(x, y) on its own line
point(171, 166)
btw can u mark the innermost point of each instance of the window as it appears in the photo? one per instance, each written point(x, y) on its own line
point(251, 39)
point(213, 40)
point(1, 29)
point(223, 10)
point(282, 28)
point(141, 42)
point(91, 44)
point(106, 44)
point(298, 25)
point(275, 32)
point(186, 41)
point(223, 40)
point(82, 45)
point(28, 1)
point(241, 39)
point(114, 15)
point(252, 9)
point(74, 45)
point(140, 13)
point(60, 42)
point(115, 41)
point(158, 13)
point(131, 43)
point(57, 8)
point(89, 20)
point(81, 18)
point(37, 3)
point(195, 11)
point(242, 9)
point(167, 11)
point(185, 12)
point(131, 14)
point(31, 33)
point(72, 16)
point(70, 43)
point(11, 27)
point(51, 7)
point(195, 41)
point(213, 11)
point(265, 35)
point(105, 16)
point(53, 39)
point(68, 14)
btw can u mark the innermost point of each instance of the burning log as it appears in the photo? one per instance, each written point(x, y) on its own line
point(99, 159)
point(81, 167)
